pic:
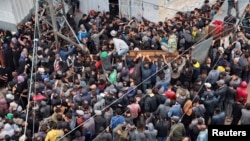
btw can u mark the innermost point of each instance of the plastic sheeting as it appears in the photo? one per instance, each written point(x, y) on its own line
point(201, 50)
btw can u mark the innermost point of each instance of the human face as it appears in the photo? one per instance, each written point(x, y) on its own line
point(185, 139)
point(208, 61)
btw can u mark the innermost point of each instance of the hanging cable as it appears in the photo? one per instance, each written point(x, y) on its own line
point(184, 52)
point(32, 67)
point(136, 86)
point(143, 97)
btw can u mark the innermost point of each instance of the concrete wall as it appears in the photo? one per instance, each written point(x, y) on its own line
point(154, 10)
point(170, 7)
point(13, 12)
point(97, 5)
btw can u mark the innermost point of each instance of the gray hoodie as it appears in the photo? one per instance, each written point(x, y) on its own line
point(163, 109)
point(151, 132)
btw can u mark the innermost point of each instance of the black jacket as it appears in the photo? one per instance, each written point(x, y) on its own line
point(150, 103)
point(237, 110)
point(162, 128)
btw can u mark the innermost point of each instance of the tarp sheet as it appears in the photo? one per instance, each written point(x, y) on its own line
point(200, 51)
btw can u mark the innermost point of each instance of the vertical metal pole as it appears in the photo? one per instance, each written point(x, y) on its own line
point(63, 8)
point(32, 69)
point(37, 27)
point(53, 19)
point(130, 9)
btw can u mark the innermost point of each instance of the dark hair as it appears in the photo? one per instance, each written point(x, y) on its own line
point(84, 15)
point(7, 138)
point(247, 106)
point(59, 117)
point(132, 100)
point(217, 110)
point(200, 121)
point(53, 125)
point(118, 111)
point(58, 110)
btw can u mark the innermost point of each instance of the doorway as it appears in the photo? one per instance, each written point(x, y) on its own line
point(114, 8)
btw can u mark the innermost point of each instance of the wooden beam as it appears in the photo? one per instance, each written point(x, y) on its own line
point(153, 54)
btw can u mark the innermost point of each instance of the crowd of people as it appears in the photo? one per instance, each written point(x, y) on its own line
point(61, 92)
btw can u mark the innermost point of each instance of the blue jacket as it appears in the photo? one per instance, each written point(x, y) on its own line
point(175, 111)
point(153, 72)
point(203, 136)
point(145, 73)
point(116, 120)
point(218, 119)
point(82, 34)
point(64, 54)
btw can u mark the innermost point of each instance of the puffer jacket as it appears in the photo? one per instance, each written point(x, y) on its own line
point(242, 92)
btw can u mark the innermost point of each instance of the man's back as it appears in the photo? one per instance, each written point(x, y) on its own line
point(52, 135)
point(219, 119)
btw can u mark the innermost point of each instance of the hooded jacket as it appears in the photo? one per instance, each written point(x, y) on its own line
point(151, 132)
point(52, 135)
point(175, 110)
point(140, 136)
point(7, 130)
point(242, 92)
point(167, 77)
point(163, 109)
point(172, 44)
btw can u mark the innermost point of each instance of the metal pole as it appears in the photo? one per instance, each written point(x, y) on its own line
point(130, 6)
point(63, 8)
point(84, 48)
point(53, 18)
point(32, 67)
point(37, 26)
point(71, 29)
